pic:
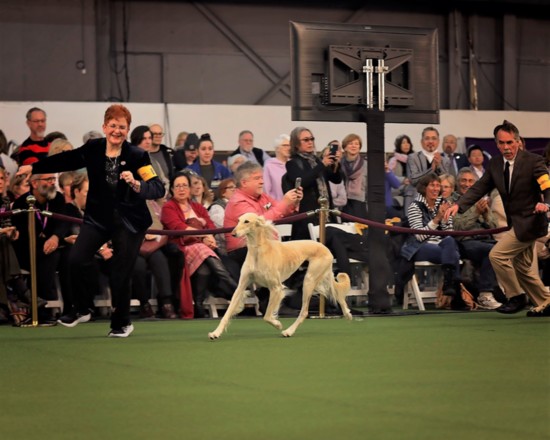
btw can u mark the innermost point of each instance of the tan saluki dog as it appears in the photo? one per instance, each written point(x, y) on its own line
point(269, 262)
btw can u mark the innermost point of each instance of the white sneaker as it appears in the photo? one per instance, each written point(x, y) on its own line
point(123, 332)
point(73, 320)
point(486, 300)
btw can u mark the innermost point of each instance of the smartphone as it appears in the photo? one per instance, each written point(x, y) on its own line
point(333, 149)
point(298, 183)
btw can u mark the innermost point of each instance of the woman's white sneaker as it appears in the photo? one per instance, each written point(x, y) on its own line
point(486, 300)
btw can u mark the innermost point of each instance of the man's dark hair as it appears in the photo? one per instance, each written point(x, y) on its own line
point(508, 127)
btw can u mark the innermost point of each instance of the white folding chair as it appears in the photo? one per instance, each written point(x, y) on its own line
point(412, 295)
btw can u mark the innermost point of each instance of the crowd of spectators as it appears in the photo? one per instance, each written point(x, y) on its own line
point(203, 193)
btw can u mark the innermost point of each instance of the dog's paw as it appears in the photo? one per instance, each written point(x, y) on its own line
point(287, 334)
point(348, 315)
point(213, 336)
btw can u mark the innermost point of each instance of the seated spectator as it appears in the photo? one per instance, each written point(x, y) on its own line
point(19, 185)
point(213, 171)
point(477, 248)
point(78, 190)
point(180, 140)
point(164, 261)
point(391, 182)
point(200, 192)
point(217, 210)
point(248, 150)
point(53, 135)
point(427, 212)
point(202, 265)
point(92, 134)
point(448, 188)
point(235, 161)
point(59, 145)
point(275, 168)
point(65, 181)
point(186, 155)
point(49, 233)
point(6, 161)
point(249, 197)
point(9, 266)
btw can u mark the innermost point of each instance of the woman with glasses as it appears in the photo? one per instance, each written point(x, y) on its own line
point(121, 179)
point(217, 210)
point(203, 268)
point(275, 168)
point(315, 174)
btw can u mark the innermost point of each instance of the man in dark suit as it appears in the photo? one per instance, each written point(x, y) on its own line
point(522, 180)
point(452, 161)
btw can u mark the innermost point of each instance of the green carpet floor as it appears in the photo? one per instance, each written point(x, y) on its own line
point(432, 376)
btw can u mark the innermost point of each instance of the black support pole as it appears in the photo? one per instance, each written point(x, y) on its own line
point(379, 298)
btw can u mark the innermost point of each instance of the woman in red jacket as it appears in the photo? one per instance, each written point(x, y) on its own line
point(202, 265)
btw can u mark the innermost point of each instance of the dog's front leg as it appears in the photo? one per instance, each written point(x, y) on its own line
point(236, 303)
point(276, 295)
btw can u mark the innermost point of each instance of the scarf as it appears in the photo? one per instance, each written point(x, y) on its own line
point(311, 159)
point(354, 175)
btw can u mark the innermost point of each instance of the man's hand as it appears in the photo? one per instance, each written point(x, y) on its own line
point(451, 212)
point(24, 169)
point(51, 244)
point(293, 196)
point(482, 205)
point(437, 160)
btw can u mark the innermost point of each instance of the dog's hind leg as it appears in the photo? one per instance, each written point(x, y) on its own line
point(234, 307)
point(276, 295)
point(340, 288)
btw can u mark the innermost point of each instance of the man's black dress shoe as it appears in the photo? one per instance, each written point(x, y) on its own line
point(513, 305)
point(543, 313)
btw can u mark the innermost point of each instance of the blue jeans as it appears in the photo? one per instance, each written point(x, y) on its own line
point(444, 252)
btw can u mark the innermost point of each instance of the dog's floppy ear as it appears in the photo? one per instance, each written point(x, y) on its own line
point(260, 220)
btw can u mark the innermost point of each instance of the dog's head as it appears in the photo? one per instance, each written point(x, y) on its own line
point(247, 224)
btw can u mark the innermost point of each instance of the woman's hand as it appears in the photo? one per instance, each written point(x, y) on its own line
point(209, 241)
point(51, 244)
point(71, 239)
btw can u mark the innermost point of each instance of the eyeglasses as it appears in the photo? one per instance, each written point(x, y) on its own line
point(181, 186)
point(157, 133)
point(308, 139)
point(48, 179)
point(120, 127)
point(37, 121)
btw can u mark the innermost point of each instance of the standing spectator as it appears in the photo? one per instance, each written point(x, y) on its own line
point(315, 174)
point(187, 155)
point(121, 179)
point(422, 163)
point(247, 149)
point(337, 190)
point(35, 147)
point(398, 166)
point(275, 168)
point(180, 140)
point(213, 171)
point(354, 167)
point(522, 180)
point(235, 161)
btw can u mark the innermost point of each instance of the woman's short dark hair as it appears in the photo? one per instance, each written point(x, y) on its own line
point(136, 137)
point(399, 141)
point(183, 173)
point(425, 181)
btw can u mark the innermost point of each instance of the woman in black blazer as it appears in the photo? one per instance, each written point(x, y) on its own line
point(121, 179)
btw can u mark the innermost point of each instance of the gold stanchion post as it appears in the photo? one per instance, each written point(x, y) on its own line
point(323, 217)
point(32, 251)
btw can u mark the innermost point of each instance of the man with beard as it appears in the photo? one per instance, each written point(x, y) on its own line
point(35, 147)
point(49, 232)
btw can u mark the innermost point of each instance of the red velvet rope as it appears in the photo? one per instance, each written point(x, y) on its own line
point(288, 220)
